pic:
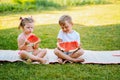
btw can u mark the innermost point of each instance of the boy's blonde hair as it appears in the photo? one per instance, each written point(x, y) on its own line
point(65, 18)
point(24, 21)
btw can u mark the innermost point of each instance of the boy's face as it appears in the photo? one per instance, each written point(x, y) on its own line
point(28, 28)
point(67, 27)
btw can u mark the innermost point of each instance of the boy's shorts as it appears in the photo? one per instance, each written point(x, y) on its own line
point(68, 53)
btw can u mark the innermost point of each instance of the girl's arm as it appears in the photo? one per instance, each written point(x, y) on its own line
point(22, 44)
point(36, 44)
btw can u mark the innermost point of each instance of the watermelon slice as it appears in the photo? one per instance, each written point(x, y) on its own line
point(33, 38)
point(68, 46)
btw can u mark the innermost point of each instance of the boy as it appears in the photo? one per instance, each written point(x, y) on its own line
point(66, 34)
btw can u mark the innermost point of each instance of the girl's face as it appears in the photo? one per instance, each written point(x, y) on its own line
point(28, 28)
point(67, 27)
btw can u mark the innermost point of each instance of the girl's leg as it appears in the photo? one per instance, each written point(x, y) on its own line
point(40, 52)
point(26, 55)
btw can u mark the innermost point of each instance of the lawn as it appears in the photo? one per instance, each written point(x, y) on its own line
point(99, 28)
point(90, 15)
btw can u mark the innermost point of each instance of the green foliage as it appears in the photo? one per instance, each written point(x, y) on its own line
point(79, 2)
point(12, 7)
point(27, 5)
point(37, 3)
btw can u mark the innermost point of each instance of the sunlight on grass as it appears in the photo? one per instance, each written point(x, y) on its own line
point(85, 15)
point(98, 26)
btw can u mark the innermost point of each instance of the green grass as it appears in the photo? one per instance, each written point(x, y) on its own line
point(21, 71)
point(92, 37)
point(99, 28)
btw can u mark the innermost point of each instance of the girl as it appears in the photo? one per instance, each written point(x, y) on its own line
point(29, 51)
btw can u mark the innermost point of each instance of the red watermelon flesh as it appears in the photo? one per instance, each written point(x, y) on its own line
point(33, 38)
point(69, 46)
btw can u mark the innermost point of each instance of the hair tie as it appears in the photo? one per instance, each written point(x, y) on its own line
point(21, 18)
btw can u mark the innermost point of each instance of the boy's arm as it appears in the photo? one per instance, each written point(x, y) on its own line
point(79, 46)
point(59, 40)
point(78, 40)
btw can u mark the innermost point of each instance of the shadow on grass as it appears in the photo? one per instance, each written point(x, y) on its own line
point(104, 37)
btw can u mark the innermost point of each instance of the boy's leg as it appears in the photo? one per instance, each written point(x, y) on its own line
point(60, 60)
point(77, 54)
point(60, 54)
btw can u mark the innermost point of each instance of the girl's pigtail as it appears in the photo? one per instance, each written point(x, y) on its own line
point(21, 18)
point(20, 22)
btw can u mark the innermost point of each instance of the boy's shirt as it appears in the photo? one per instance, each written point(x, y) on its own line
point(67, 37)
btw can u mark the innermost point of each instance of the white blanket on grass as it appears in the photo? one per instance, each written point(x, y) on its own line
point(95, 57)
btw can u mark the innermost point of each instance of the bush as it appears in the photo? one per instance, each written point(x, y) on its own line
point(23, 5)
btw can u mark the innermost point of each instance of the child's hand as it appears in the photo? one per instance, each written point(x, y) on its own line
point(68, 46)
point(80, 46)
point(58, 46)
point(36, 44)
point(27, 42)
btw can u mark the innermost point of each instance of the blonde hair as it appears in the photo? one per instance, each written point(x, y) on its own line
point(24, 21)
point(65, 18)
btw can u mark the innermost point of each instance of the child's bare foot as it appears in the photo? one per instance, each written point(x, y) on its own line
point(28, 61)
point(43, 61)
point(35, 62)
point(60, 61)
point(70, 62)
point(79, 60)
point(65, 61)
